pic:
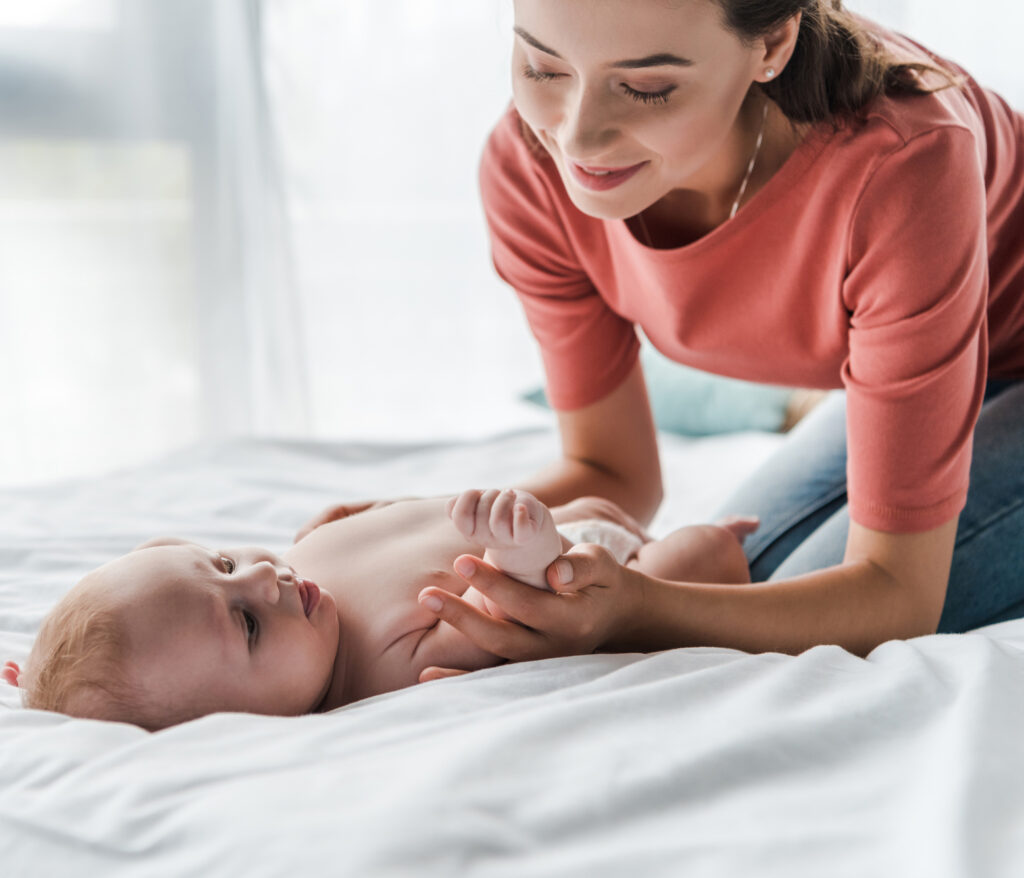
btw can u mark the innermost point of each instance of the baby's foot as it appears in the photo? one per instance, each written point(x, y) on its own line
point(514, 527)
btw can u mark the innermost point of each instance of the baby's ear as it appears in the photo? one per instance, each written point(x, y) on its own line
point(11, 673)
point(162, 541)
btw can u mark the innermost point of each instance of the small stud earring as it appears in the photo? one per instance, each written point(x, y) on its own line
point(770, 72)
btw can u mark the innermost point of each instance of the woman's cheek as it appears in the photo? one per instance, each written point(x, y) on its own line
point(534, 109)
point(684, 143)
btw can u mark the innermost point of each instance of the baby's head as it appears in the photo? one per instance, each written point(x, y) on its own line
point(173, 631)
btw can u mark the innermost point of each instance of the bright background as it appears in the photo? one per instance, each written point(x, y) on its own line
point(224, 217)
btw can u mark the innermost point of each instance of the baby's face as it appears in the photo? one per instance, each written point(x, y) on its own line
point(232, 629)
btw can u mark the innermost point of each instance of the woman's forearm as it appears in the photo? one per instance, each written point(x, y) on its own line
point(610, 450)
point(855, 605)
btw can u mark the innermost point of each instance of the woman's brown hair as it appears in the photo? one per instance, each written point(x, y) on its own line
point(838, 67)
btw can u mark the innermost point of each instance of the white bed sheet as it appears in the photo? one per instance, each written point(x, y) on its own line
point(695, 761)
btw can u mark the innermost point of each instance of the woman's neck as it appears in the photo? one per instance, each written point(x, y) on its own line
point(686, 215)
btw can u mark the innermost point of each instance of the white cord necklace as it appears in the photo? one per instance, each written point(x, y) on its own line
point(743, 185)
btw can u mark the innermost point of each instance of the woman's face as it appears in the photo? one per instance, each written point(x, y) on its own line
point(647, 87)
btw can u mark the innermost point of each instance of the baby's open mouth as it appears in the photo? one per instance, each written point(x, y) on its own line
point(310, 594)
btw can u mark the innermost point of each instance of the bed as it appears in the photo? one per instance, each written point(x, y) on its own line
point(686, 762)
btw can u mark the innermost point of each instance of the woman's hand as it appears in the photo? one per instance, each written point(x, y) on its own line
point(600, 508)
point(340, 510)
point(595, 603)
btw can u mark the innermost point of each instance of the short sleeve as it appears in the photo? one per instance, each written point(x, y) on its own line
point(916, 290)
point(587, 349)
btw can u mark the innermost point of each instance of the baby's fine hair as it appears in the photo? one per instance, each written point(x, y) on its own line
point(78, 667)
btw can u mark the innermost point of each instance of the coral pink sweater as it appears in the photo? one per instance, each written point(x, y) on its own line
point(887, 259)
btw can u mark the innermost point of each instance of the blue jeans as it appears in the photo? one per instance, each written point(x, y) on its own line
point(800, 495)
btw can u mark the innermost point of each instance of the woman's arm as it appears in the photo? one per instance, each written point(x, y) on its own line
point(888, 587)
point(609, 449)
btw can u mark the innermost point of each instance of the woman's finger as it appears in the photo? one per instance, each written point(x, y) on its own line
point(535, 607)
point(436, 673)
point(585, 564)
point(500, 637)
point(333, 513)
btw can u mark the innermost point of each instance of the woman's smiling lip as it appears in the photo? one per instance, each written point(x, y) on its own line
point(601, 179)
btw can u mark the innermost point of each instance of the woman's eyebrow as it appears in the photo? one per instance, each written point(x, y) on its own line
point(662, 59)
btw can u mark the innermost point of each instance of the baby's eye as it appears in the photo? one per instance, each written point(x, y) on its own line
point(229, 565)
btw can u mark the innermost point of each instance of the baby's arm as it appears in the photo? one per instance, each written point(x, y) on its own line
point(515, 528)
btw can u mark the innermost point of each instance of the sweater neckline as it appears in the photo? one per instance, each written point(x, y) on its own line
point(793, 168)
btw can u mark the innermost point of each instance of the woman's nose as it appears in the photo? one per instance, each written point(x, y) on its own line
point(587, 127)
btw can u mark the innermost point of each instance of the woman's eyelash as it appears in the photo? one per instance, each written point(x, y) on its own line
point(648, 97)
point(229, 565)
point(251, 625)
point(536, 75)
point(642, 97)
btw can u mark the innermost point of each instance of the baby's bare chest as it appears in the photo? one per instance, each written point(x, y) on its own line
point(375, 564)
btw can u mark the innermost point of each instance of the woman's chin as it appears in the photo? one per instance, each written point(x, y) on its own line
point(601, 209)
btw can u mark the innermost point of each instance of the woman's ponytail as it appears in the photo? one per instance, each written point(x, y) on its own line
point(837, 66)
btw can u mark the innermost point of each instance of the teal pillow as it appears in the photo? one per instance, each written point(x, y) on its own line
point(694, 403)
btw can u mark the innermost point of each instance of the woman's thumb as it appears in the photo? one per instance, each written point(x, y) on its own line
point(577, 567)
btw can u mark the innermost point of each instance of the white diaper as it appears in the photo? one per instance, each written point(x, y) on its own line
point(622, 543)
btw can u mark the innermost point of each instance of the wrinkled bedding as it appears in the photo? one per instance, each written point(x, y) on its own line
point(686, 762)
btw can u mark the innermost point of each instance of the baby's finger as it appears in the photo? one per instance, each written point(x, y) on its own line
point(482, 524)
point(463, 512)
point(502, 511)
point(523, 526)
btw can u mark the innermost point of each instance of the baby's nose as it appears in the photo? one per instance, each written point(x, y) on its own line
point(267, 579)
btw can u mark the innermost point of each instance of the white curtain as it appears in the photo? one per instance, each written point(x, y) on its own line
point(258, 217)
point(146, 290)
point(382, 109)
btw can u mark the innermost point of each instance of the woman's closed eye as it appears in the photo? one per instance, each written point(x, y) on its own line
point(539, 75)
point(649, 97)
point(642, 97)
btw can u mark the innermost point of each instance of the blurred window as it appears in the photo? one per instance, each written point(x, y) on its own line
point(64, 14)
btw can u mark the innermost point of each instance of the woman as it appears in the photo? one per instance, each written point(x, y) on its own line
point(778, 191)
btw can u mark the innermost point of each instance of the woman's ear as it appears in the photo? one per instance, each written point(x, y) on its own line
point(780, 43)
point(11, 673)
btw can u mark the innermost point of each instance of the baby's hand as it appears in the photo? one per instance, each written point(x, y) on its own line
point(497, 519)
point(515, 528)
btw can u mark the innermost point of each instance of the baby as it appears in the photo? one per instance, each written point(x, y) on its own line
point(173, 631)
